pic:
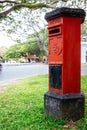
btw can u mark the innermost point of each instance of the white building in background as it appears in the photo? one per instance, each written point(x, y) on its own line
point(84, 52)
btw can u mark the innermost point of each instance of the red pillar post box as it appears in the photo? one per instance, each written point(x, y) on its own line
point(64, 98)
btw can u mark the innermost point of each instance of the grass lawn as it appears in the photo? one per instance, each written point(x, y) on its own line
point(22, 107)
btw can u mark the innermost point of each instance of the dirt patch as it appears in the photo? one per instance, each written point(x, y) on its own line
point(4, 85)
point(69, 125)
point(2, 89)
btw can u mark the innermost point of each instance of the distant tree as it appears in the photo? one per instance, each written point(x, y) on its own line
point(84, 31)
point(22, 50)
point(29, 49)
point(13, 52)
point(1, 58)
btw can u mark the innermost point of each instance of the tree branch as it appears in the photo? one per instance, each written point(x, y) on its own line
point(5, 13)
point(8, 1)
point(24, 5)
point(32, 6)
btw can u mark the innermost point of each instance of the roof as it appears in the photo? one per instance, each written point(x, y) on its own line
point(32, 57)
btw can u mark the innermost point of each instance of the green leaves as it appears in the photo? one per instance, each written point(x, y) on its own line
point(12, 52)
point(21, 50)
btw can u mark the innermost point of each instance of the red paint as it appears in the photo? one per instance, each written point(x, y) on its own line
point(64, 48)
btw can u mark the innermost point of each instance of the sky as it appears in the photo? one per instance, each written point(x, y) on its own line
point(5, 41)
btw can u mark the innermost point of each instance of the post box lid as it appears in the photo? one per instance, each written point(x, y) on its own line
point(64, 11)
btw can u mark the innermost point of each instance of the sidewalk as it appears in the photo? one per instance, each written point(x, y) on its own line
point(84, 64)
point(84, 69)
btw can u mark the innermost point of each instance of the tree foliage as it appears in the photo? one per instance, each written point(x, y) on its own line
point(18, 4)
point(22, 50)
point(13, 52)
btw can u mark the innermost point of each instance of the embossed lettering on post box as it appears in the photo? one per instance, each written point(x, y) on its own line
point(55, 50)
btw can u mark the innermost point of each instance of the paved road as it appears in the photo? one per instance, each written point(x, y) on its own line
point(13, 72)
point(84, 69)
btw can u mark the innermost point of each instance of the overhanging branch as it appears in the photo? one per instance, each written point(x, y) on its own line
point(32, 6)
point(24, 5)
point(8, 1)
point(5, 13)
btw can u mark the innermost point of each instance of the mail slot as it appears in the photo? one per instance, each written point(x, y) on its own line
point(55, 31)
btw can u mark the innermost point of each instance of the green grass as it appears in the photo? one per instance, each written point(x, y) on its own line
point(22, 106)
point(82, 124)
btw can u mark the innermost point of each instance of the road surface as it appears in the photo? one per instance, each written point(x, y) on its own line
point(17, 71)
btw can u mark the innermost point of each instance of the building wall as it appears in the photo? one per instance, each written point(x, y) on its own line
point(83, 52)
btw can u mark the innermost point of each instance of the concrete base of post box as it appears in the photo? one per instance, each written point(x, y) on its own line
point(61, 106)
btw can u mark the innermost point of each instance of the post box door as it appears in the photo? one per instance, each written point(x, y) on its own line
point(55, 79)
